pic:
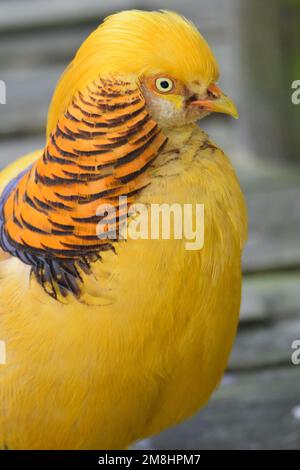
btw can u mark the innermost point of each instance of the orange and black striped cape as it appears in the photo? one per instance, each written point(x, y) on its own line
point(99, 151)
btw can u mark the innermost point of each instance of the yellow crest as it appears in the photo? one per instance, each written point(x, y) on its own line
point(136, 43)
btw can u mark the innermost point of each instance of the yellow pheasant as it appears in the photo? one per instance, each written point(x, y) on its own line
point(109, 341)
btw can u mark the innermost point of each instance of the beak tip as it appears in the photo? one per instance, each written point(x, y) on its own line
point(223, 104)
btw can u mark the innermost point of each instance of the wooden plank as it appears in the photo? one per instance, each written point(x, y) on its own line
point(12, 149)
point(265, 345)
point(274, 228)
point(29, 92)
point(19, 16)
point(269, 296)
point(16, 15)
point(270, 321)
point(60, 44)
point(249, 411)
point(43, 47)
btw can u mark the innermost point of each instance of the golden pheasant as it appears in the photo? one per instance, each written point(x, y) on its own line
point(109, 341)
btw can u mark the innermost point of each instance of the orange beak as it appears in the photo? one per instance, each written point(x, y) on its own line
point(217, 103)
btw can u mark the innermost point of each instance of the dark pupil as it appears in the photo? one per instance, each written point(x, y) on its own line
point(164, 84)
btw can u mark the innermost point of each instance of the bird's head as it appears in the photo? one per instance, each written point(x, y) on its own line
point(163, 53)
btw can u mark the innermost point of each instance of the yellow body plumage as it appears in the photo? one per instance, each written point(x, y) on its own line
point(154, 341)
point(149, 338)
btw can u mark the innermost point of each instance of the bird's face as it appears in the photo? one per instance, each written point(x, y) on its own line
point(172, 102)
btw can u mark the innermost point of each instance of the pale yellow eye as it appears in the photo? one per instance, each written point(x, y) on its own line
point(164, 84)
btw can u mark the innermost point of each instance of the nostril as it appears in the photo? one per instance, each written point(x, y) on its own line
point(192, 98)
point(211, 94)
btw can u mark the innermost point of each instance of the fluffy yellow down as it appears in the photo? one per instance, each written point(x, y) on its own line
point(139, 357)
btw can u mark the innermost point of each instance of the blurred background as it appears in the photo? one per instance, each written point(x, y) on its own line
point(257, 45)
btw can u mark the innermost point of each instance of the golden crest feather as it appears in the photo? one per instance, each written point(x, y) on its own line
point(137, 43)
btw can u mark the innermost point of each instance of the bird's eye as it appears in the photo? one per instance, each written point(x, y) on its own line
point(164, 85)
